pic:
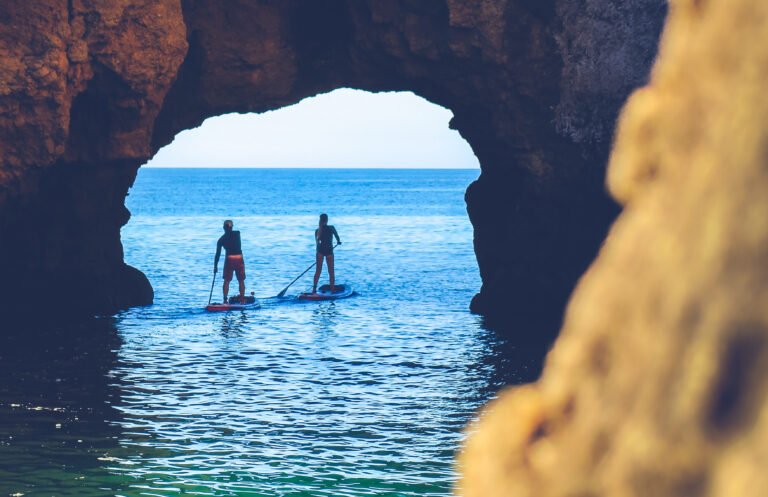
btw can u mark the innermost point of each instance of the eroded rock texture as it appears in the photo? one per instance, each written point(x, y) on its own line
point(657, 384)
point(81, 83)
point(534, 86)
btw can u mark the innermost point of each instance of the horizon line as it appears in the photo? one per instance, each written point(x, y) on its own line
point(311, 167)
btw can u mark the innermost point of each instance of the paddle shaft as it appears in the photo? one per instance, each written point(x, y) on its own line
point(212, 283)
point(295, 280)
point(299, 276)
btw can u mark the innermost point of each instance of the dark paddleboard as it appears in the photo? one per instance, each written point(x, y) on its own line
point(341, 291)
point(234, 305)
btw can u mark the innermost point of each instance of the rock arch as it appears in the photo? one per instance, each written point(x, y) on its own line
point(90, 90)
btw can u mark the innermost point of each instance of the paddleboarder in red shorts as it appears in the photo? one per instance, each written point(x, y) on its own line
point(233, 261)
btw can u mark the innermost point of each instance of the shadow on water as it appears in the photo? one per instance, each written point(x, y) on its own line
point(513, 361)
point(57, 399)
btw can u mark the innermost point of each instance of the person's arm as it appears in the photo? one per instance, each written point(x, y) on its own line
point(218, 254)
point(338, 240)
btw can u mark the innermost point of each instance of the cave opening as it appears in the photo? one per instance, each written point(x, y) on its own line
point(386, 167)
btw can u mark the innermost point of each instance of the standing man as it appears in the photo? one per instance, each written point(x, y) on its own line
point(233, 261)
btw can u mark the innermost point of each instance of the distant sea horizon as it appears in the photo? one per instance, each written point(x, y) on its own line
point(403, 168)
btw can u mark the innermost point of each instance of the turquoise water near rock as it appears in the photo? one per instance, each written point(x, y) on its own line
point(364, 396)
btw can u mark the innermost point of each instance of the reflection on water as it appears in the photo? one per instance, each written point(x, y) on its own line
point(232, 324)
point(323, 316)
point(365, 396)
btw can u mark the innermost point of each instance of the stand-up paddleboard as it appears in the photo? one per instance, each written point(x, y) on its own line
point(341, 291)
point(234, 305)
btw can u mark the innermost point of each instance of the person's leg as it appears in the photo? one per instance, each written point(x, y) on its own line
point(228, 270)
point(329, 263)
point(318, 269)
point(241, 280)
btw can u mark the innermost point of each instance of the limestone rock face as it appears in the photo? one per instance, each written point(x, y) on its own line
point(657, 383)
point(81, 83)
point(94, 88)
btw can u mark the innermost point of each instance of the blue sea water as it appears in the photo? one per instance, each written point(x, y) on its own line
point(363, 396)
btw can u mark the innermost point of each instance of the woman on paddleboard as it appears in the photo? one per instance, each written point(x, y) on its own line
point(324, 240)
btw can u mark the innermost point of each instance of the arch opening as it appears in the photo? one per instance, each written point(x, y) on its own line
point(385, 166)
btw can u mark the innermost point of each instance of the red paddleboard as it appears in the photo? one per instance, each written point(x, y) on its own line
point(234, 305)
point(340, 291)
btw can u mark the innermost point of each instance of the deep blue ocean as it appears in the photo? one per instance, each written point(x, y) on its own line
point(363, 396)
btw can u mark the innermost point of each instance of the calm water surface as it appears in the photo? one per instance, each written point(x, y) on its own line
point(365, 396)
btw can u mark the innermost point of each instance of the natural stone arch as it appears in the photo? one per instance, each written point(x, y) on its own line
point(93, 90)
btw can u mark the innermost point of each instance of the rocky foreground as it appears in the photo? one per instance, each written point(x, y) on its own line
point(658, 383)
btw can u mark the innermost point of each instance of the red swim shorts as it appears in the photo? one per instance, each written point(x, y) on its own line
point(236, 264)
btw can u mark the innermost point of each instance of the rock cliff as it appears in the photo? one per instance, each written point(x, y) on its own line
point(90, 89)
point(81, 84)
point(657, 383)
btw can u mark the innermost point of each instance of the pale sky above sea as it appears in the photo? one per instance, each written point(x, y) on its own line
point(344, 129)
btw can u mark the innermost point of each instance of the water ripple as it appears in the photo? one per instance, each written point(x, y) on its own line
point(367, 396)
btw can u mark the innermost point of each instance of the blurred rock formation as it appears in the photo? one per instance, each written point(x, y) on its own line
point(657, 383)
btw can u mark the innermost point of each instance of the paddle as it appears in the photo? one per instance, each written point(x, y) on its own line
point(282, 293)
point(212, 283)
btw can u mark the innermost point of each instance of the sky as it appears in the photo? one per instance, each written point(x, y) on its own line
point(344, 128)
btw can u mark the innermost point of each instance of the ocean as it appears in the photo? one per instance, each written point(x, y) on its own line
point(363, 396)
